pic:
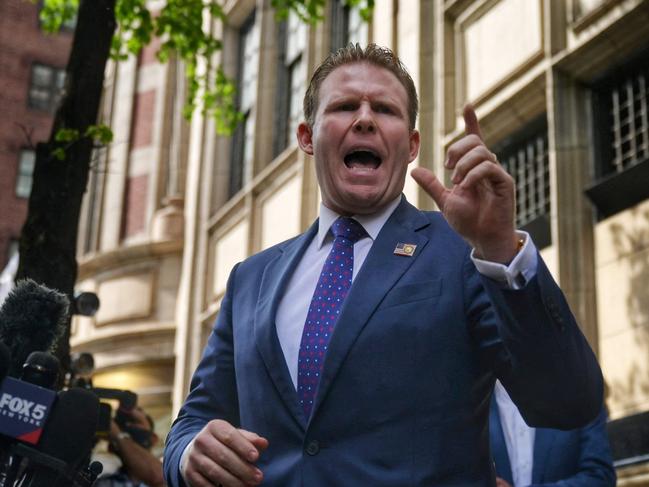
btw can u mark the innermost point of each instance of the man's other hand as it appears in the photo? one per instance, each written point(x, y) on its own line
point(502, 483)
point(221, 454)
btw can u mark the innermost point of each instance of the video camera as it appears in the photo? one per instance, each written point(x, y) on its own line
point(82, 368)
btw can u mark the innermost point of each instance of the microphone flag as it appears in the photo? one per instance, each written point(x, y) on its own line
point(24, 408)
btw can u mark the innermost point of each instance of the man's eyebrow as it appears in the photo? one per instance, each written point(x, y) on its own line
point(393, 103)
point(343, 95)
point(337, 100)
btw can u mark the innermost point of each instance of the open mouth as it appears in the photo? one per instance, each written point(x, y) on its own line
point(362, 159)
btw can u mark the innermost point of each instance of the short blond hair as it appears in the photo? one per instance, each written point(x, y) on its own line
point(354, 53)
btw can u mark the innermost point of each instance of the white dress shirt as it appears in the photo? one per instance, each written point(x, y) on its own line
point(294, 305)
point(519, 438)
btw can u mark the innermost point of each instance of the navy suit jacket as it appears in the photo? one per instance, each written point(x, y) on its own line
point(575, 458)
point(404, 393)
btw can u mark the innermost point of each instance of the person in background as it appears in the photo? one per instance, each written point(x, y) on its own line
point(538, 457)
point(132, 443)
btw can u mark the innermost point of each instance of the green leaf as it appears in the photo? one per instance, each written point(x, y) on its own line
point(59, 153)
point(179, 25)
point(101, 134)
point(66, 135)
point(55, 13)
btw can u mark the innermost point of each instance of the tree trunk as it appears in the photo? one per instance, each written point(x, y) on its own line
point(48, 241)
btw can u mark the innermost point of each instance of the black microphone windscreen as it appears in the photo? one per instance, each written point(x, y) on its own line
point(32, 318)
point(41, 369)
point(70, 430)
point(5, 360)
point(95, 468)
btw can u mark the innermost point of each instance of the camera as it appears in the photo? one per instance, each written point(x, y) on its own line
point(82, 367)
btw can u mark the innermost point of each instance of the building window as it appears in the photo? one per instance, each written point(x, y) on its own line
point(581, 8)
point(46, 87)
point(628, 122)
point(525, 157)
point(357, 29)
point(25, 173)
point(12, 248)
point(241, 164)
point(347, 25)
point(621, 115)
point(291, 81)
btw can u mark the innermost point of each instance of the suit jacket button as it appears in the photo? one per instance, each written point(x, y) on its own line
point(313, 447)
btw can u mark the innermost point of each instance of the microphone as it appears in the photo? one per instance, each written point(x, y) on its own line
point(70, 431)
point(68, 437)
point(5, 360)
point(5, 443)
point(41, 369)
point(32, 318)
point(94, 470)
point(25, 403)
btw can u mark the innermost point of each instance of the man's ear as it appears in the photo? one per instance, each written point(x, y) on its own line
point(414, 145)
point(305, 138)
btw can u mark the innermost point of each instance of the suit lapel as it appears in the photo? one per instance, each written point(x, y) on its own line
point(272, 286)
point(379, 273)
point(543, 440)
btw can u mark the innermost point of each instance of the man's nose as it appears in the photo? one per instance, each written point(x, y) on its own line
point(364, 122)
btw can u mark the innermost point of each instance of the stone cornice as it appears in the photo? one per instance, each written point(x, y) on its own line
point(91, 264)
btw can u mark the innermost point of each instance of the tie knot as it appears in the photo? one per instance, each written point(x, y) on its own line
point(348, 228)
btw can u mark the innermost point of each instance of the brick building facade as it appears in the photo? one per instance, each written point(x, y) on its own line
point(32, 67)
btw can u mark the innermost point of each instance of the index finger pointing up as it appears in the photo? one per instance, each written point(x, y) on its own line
point(471, 124)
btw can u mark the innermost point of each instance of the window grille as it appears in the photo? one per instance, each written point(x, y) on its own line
point(525, 157)
point(621, 137)
point(629, 124)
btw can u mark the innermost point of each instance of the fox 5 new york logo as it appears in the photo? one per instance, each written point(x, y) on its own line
point(22, 409)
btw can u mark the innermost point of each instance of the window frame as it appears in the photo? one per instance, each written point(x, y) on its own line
point(288, 100)
point(23, 190)
point(619, 183)
point(534, 219)
point(237, 173)
point(53, 90)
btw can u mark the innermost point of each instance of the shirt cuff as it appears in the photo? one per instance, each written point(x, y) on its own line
point(181, 465)
point(519, 271)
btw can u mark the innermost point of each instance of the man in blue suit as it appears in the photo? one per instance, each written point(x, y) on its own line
point(364, 351)
point(538, 457)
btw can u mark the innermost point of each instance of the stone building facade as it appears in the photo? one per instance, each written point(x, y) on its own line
point(559, 85)
point(131, 233)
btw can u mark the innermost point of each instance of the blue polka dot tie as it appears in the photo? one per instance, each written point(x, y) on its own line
point(328, 297)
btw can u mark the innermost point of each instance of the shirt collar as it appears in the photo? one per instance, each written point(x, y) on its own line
point(371, 223)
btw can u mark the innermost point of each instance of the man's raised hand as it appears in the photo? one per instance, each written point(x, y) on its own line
point(480, 205)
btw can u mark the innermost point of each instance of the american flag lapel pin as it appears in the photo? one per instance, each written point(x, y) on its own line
point(405, 249)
